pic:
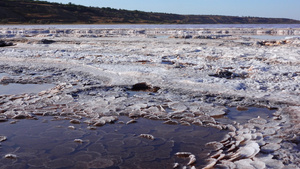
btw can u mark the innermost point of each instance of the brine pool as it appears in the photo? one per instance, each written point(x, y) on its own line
point(45, 143)
point(49, 142)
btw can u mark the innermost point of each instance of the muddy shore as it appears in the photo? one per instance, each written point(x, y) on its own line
point(181, 77)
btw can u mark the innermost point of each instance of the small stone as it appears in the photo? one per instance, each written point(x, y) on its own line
point(192, 159)
point(131, 121)
point(185, 123)
point(46, 41)
point(197, 122)
point(141, 87)
point(13, 122)
point(75, 121)
point(78, 140)
point(183, 154)
point(173, 122)
point(147, 136)
point(100, 123)
point(92, 128)
point(71, 127)
point(10, 156)
point(241, 108)
point(176, 165)
point(3, 138)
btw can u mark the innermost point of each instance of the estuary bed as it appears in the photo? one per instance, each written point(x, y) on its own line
point(149, 98)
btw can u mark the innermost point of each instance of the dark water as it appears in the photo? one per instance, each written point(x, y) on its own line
point(44, 143)
point(149, 26)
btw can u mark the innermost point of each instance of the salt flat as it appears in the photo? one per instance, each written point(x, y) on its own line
point(196, 73)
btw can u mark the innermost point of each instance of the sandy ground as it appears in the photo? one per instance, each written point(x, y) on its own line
point(195, 74)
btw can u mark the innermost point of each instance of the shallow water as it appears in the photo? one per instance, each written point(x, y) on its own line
point(242, 116)
point(15, 88)
point(45, 143)
point(269, 37)
point(3, 74)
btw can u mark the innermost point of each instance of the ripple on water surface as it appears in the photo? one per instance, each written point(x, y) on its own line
point(45, 143)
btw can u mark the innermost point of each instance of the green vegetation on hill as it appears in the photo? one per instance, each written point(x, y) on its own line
point(42, 12)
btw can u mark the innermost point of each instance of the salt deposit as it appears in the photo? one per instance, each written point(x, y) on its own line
point(189, 78)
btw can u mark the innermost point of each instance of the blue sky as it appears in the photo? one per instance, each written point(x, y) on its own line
point(261, 8)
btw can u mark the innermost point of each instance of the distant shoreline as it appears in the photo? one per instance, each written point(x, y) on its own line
point(151, 26)
point(42, 12)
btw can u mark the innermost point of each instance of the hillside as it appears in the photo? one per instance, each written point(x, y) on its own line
point(42, 12)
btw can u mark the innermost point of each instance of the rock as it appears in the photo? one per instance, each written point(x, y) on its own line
point(173, 122)
point(141, 87)
point(197, 122)
point(183, 154)
point(75, 121)
point(220, 73)
point(3, 118)
point(19, 116)
point(6, 80)
point(106, 119)
point(4, 43)
point(192, 160)
point(147, 136)
point(131, 121)
point(176, 165)
point(91, 128)
point(270, 148)
point(46, 41)
point(248, 151)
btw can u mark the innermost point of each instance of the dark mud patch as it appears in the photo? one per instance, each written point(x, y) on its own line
point(44, 143)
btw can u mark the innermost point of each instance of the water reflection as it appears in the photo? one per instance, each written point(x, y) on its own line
point(270, 37)
point(44, 143)
point(16, 88)
point(242, 116)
